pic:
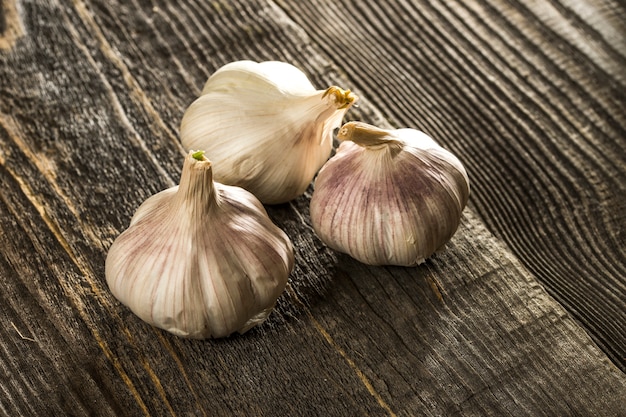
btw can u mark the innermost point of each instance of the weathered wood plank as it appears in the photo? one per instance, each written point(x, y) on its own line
point(531, 97)
point(91, 94)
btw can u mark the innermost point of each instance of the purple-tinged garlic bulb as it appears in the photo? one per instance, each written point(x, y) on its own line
point(201, 259)
point(388, 197)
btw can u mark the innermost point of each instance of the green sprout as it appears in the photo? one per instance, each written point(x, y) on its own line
point(199, 155)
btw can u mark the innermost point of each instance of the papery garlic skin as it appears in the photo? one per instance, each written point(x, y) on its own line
point(201, 259)
point(265, 127)
point(388, 197)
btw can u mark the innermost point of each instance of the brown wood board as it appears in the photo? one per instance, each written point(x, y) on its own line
point(521, 314)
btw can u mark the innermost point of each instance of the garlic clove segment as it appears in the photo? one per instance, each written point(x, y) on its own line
point(265, 127)
point(388, 197)
point(200, 259)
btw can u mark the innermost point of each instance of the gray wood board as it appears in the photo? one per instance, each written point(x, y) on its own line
point(521, 314)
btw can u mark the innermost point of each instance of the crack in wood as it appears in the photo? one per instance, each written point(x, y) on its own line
point(30, 339)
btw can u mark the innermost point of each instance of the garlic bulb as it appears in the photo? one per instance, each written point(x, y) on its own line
point(265, 127)
point(200, 259)
point(388, 197)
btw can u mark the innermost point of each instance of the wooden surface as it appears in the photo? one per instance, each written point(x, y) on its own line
point(522, 314)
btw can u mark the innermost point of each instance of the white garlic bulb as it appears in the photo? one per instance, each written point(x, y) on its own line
point(265, 127)
point(388, 197)
point(200, 259)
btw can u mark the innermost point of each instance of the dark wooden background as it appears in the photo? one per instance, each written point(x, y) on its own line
point(522, 314)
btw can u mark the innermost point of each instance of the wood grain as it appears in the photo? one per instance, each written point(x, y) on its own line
point(519, 315)
point(531, 97)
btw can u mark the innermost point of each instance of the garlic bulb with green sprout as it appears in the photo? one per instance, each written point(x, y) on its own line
point(265, 127)
point(200, 259)
point(388, 197)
